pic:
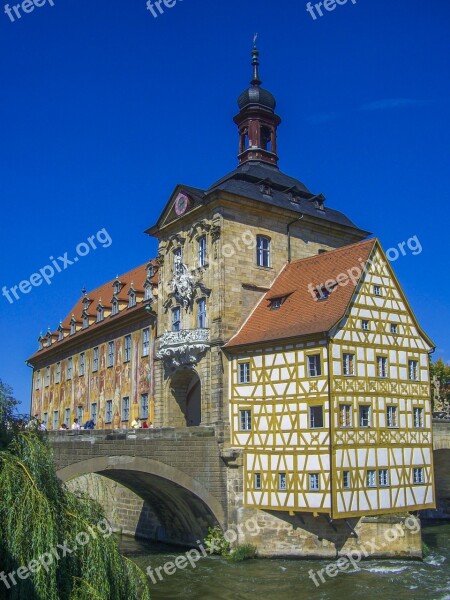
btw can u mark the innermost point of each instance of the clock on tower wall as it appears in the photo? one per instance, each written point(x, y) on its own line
point(182, 203)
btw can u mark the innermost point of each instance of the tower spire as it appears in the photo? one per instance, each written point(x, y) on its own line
point(257, 121)
point(256, 81)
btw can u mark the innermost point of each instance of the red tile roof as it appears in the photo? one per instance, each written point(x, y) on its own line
point(301, 313)
point(105, 292)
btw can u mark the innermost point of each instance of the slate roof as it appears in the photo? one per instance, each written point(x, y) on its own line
point(302, 314)
point(244, 181)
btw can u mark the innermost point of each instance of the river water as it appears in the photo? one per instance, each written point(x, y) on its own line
point(215, 578)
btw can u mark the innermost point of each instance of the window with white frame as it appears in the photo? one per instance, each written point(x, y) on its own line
point(383, 477)
point(201, 313)
point(316, 417)
point(100, 314)
point(314, 482)
point(371, 478)
point(413, 369)
point(58, 373)
point(314, 365)
point(38, 380)
point(144, 406)
point(346, 482)
point(127, 348)
point(94, 406)
point(382, 366)
point(108, 411)
point(95, 360)
point(69, 367)
point(80, 414)
point(110, 354)
point(345, 415)
point(418, 417)
point(148, 291)
point(146, 342)
point(114, 307)
point(348, 363)
point(177, 258)
point(201, 251)
point(365, 325)
point(132, 299)
point(245, 419)
point(45, 420)
point(47, 376)
point(262, 251)
point(56, 419)
point(282, 483)
point(391, 416)
point(418, 475)
point(82, 363)
point(377, 290)
point(125, 408)
point(364, 415)
point(67, 417)
point(244, 372)
point(257, 480)
point(85, 321)
point(394, 328)
point(176, 318)
point(73, 327)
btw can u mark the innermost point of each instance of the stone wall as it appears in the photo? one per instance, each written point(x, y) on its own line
point(302, 535)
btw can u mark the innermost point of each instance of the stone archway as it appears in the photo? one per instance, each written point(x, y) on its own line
point(184, 406)
point(182, 506)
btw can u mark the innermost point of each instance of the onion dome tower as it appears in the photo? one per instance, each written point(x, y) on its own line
point(257, 121)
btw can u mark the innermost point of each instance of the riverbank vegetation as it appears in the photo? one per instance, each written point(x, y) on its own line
point(54, 544)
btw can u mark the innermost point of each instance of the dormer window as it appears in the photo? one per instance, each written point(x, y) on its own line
point(86, 303)
point(148, 291)
point(60, 333)
point(277, 303)
point(117, 286)
point(114, 307)
point(85, 321)
point(319, 204)
point(100, 313)
point(150, 270)
point(73, 326)
point(294, 198)
point(49, 341)
point(132, 299)
point(41, 343)
point(266, 188)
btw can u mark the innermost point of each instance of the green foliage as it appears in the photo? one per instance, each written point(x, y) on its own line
point(440, 383)
point(244, 552)
point(7, 408)
point(425, 550)
point(37, 513)
point(216, 543)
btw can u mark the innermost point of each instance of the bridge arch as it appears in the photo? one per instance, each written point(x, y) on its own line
point(182, 505)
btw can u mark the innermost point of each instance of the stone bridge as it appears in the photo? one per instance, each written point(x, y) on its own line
point(441, 445)
point(166, 484)
point(173, 484)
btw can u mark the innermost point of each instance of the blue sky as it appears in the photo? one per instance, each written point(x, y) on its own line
point(104, 109)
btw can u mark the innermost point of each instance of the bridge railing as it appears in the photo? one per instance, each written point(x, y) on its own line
point(93, 435)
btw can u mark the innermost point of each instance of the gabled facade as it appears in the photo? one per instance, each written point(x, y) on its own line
point(330, 391)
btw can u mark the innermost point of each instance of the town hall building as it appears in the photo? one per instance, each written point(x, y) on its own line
point(271, 317)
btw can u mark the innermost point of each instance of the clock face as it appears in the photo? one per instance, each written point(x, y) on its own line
point(181, 204)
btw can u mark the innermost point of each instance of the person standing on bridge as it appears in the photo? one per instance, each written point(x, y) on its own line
point(75, 425)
